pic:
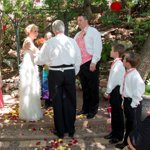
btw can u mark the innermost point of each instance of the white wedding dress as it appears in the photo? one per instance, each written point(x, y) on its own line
point(29, 90)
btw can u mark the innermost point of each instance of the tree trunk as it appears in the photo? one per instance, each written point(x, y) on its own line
point(144, 67)
point(87, 8)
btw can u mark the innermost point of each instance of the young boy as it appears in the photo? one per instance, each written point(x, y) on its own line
point(132, 89)
point(113, 87)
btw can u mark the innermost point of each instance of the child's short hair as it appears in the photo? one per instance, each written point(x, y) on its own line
point(119, 48)
point(132, 58)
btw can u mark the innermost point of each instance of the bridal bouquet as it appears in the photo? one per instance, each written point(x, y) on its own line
point(39, 42)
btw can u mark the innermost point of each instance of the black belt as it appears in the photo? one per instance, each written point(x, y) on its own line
point(128, 98)
point(62, 66)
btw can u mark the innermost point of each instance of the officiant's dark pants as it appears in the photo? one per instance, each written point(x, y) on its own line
point(63, 92)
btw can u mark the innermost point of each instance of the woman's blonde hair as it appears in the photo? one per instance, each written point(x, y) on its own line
point(30, 28)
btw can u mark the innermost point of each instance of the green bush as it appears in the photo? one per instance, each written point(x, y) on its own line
point(147, 90)
point(110, 18)
point(106, 51)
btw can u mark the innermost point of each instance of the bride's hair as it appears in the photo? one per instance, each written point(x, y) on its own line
point(30, 28)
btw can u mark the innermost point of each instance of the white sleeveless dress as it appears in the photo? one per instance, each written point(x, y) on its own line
point(29, 90)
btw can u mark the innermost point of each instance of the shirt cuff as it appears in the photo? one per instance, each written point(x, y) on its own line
point(94, 61)
point(133, 105)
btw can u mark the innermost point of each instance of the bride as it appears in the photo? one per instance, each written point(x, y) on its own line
point(29, 90)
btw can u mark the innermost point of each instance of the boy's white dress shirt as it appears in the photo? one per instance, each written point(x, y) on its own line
point(134, 87)
point(116, 75)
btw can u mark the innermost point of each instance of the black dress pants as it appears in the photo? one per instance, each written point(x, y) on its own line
point(90, 86)
point(117, 118)
point(132, 116)
point(63, 92)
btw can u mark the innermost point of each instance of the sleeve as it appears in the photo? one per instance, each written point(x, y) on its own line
point(115, 77)
point(29, 45)
point(138, 90)
point(97, 46)
point(77, 58)
point(43, 56)
point(26, 44)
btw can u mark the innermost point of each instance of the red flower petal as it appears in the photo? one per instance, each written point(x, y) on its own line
point(47, 148)
point(74, 141)
point(34, 129)
point(61, 142)
point(70, 144)
point(56, 145)
point(38, 143)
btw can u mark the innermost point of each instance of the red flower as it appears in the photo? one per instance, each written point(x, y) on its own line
point(116, 6)
point(3, 27)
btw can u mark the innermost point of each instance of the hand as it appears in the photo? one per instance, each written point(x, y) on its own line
point(122, 106)
point(106, 95)
point(92, 67)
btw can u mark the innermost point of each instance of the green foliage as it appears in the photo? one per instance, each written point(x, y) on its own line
point(140, 27)
point(106, 51)
point(147, 90)
point(17, 7)
point(110, 18)
point(131, 3)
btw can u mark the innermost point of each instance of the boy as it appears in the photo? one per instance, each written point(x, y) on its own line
point(113, 86)
point(132, 89)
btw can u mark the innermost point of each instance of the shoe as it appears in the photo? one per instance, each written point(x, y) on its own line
point(120, 146)
point(71, 135)
point(48, 104)
point(109, 136)
point(114, 141)
point(90, 116)
point(59, 135)
point(81, 113)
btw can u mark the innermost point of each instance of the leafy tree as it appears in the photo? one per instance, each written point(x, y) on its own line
point(16, 11)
